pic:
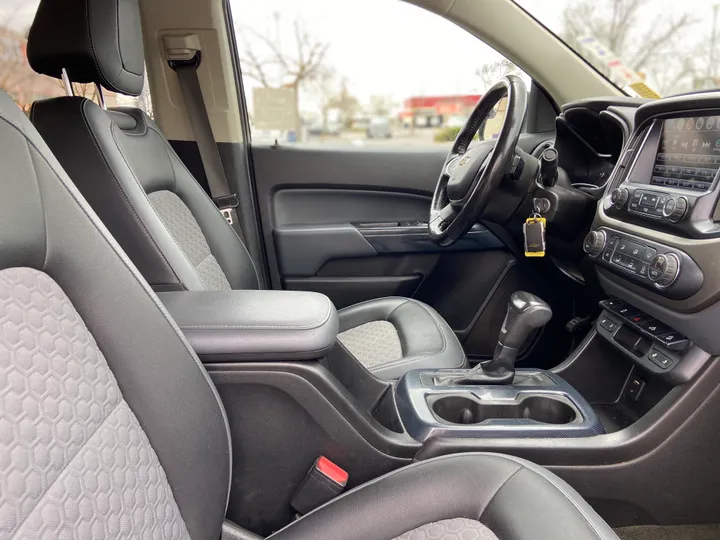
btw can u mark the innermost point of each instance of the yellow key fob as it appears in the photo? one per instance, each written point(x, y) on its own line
point(534, 232)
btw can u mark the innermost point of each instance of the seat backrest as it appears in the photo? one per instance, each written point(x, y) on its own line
point(120, 160)
point(109, 425)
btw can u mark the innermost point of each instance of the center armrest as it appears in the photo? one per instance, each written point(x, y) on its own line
point(255, 325)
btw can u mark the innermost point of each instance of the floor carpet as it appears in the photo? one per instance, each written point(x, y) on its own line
point(670, 532)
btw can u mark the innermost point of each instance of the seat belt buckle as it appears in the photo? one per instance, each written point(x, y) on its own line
point(323, 482)
point(226, 205)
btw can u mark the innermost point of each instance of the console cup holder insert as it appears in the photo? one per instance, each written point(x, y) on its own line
point(545, 409)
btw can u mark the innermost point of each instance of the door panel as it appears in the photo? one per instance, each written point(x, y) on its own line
point(326, 206)
point(351, 223)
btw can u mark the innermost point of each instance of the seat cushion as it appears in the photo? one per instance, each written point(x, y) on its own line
point(394, 335)
point(474, 496)
point(450, 529)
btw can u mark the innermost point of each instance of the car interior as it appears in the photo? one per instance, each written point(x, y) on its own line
point(206, 337)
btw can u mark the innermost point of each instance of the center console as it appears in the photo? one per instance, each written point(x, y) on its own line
point(668, 175)
point(656, 237)
point(493, 400)
point(535, 404)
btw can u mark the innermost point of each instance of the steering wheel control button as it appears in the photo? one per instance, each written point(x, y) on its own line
point(619, 197)
point(664, 269)
point(594, 243)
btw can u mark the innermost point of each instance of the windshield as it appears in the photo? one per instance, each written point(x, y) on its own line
point(649, 48)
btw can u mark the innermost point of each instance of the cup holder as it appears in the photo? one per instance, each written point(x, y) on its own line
point(466, 410)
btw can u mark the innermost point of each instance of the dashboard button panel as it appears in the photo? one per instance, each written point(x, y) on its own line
point(647, 341)
point(662, 269)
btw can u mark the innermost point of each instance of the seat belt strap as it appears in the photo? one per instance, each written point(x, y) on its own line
point(226, 201)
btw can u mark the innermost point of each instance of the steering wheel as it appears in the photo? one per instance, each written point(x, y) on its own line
point(470, 176)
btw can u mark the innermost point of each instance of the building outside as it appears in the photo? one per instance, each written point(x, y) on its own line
point(434, 111)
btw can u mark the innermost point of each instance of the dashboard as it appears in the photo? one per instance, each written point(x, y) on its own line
point(655, 240)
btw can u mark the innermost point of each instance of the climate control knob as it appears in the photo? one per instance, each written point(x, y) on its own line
point(675, 208)
point(619, 197)
point(594, 243)
point(664, 269)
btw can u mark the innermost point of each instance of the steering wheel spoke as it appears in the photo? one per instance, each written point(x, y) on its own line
point(447, 214)
point(470, 176)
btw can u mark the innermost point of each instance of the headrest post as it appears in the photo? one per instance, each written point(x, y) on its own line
point(67, 83)
point(101, 96)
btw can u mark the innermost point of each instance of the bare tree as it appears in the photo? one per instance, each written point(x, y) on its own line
point(264, 59)
point(617, 23)
point(346, 104)
point(380, 105)
point(491, 73)
point(325, 88)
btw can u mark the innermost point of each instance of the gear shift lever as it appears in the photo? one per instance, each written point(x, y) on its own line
point(526, 312)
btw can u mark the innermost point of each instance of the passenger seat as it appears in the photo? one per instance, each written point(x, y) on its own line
point(155, 208)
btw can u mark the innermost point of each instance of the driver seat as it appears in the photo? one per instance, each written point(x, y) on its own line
point(155, 208)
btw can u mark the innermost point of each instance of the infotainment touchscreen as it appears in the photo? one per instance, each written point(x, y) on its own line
point(689, 153)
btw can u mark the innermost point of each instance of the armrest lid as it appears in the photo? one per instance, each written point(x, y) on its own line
point(255, 325)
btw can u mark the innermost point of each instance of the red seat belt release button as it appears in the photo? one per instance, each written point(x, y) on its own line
point(332, 471)
point(324, 481)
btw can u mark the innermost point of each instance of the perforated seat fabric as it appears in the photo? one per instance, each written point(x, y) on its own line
point(92, 375)
point(68, 439)
point(145, 195)
point(374, 343)
point(391, 336)
point(450, 529)
point(110, 426)
point(188, 236)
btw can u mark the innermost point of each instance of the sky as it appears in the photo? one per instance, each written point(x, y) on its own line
point(395, 48)
point(382, 47)
point(385, 47)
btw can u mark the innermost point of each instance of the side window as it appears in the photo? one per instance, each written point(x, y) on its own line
point(361, 72)
point(24, 85)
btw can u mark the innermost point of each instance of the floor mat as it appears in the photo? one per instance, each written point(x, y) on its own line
point(670, 532)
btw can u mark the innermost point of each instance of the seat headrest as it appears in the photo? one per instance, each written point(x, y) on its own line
point(96, 41)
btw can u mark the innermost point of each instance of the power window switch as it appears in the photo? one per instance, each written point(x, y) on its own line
point(635, 388)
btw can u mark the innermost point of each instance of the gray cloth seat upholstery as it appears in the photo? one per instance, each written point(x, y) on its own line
point(111, 428)
point(394, 334)
point(151, 203)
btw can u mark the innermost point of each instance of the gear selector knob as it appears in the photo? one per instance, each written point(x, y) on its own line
point(525, 313)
